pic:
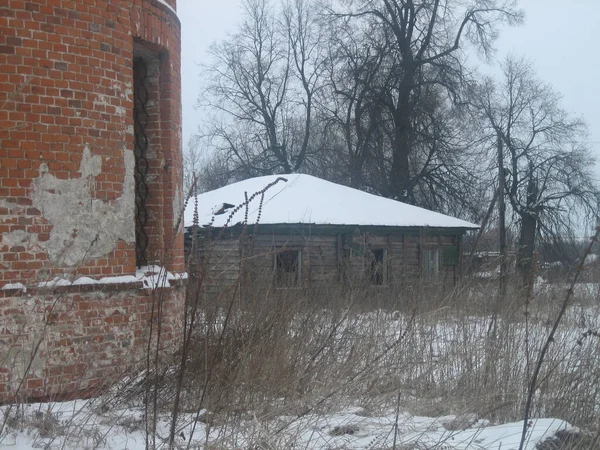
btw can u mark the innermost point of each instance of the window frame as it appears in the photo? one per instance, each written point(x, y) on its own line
point(278, 266)
point(431, 255)
point(382, 263)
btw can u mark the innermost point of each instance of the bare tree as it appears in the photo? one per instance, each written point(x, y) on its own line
point(362, 71)
point(548, 179)
point(210, 169)
point(353, 112)
point(426, 37)
point(192, 163)
point(305, 38)
point(261, 88)
point(247, 85)
point(445, 174)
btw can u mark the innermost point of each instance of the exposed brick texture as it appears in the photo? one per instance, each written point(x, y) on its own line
point(66, 175)
point(74, 342)
point(66, 82)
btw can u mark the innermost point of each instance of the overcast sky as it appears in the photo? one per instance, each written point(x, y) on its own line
point(560, 37)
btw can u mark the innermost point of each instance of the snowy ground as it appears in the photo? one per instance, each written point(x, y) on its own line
point(83, 425)
point(104, 423)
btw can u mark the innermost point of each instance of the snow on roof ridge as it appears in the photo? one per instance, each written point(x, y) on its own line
point(305, 199)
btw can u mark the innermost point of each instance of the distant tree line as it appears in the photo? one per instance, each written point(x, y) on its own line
point(379, 95)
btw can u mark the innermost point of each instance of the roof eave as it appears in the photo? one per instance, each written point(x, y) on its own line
point(273, 227)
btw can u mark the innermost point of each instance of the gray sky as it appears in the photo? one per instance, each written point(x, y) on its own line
point(202, 22)
point(560, 37)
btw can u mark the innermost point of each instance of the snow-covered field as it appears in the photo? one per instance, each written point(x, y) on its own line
point(392, 381)
point(86, 425)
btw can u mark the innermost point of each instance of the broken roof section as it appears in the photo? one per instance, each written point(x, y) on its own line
point(304, 199)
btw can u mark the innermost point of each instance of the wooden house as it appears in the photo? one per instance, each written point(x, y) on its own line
point(301, 231)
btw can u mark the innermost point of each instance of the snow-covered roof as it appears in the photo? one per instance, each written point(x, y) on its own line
point(304, 199)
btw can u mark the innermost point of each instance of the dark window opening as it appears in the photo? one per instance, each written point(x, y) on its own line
point(450, 256)
point(150, 173)
point(141, 97)
point(378, 266)
point(288, 267)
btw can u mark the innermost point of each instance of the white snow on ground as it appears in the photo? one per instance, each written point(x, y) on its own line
point(82, 424)
point(588, 291)
point(96, 424)
point(309, 200)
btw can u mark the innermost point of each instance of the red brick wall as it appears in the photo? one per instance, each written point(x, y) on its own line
point(66, 84)
point(66, 184)
point(73, 341)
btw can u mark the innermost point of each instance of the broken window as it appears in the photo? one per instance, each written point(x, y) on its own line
point(378, 266)
point(431, 261)
point(288, 267)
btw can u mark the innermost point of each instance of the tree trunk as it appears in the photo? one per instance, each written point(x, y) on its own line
point(527, 248)
point(355, 173)
point(400, 181)
point(501, 222)
point(529, 222)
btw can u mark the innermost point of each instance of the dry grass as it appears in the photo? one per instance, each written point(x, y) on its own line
point(257, 354)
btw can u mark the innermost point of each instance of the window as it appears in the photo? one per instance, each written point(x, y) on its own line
point(288, 267)
point(378, 266)
point(148, 150)
point(141, 98)
point(450, 256)
point(431, 261)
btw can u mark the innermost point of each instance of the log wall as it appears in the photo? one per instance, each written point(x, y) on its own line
point(327, 258)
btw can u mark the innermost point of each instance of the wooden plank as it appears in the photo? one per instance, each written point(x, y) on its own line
point(327, 257)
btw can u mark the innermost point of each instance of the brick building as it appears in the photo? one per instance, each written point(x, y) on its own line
point(90, 189)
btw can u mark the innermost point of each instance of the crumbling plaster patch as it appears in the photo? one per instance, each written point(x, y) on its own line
point(25, 356)
point(178, 208)
point(13, 207)
point(84, 227)
point(19, 237)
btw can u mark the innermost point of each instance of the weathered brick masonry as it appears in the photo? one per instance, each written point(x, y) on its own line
point(69, 342)
point(90, 186)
